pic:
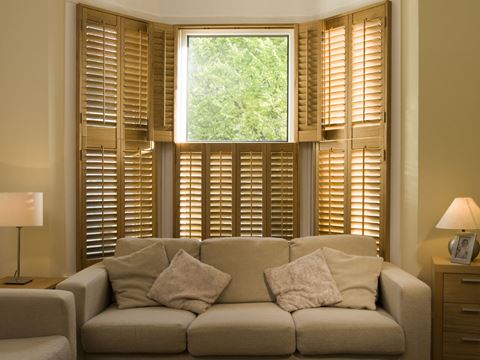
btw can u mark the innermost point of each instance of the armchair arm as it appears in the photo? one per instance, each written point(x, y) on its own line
point(407, 299)
point(91, 290)
point(34, 313)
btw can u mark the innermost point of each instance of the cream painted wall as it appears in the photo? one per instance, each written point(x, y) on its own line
point(446, 159)
point(32, 129)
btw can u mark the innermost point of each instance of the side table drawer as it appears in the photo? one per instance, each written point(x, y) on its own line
point(461, 344)
point(461, 288)
point(461, 317)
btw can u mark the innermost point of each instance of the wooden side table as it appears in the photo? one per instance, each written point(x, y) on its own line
point(36, 283)
point(456, 310)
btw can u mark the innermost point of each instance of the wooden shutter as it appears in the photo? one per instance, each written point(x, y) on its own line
point(99, 127)
point(308, 79)
point(162, 65)
point(189, 177)
point(283, 187)
point(352, 167)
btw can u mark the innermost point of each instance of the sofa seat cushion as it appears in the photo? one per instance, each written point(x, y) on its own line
point(36, 348)
point(347, 331)
point(137, 330)
point(242, 329)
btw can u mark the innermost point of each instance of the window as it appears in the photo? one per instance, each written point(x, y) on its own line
point(235, 85)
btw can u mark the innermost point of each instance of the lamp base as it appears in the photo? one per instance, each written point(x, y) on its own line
point(17, 281)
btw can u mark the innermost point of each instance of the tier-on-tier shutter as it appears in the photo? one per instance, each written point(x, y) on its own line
point(189, 177)
point(99, 128)
point(308, 79)
point(162, 80)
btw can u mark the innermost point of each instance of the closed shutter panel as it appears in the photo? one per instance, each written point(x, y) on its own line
point(251, 188)
point(99, 128)
point(190, 188)
point(309, 41)
point(162, 44)
point(220, 199)
point(283, 187)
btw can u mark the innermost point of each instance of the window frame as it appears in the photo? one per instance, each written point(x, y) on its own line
point(180, 128)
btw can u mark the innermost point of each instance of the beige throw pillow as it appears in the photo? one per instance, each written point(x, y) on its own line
point(189, 284)
point(303, 283)
point(132, 275)
point(356, 278)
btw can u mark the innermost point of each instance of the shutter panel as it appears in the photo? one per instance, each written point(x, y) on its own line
point(220, 199)
point(98, 49)
point(332, 206)
point(334, 79)
point(283, 187)
point(162, 64)
point(251, 190)
point(308, 77)
point(190, 188)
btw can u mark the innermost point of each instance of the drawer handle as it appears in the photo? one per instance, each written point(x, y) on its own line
point(466, 280)
point(469, 339)
point(470, 310)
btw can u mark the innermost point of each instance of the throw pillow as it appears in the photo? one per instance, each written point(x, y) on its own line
point(132, 275)
point(356, 278)
point(303, 283)
point(189, 284)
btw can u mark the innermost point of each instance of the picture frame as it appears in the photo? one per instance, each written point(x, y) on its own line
point(463, 248)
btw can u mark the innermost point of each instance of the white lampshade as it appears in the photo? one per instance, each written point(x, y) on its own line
point(462, 214)
point(21, 209)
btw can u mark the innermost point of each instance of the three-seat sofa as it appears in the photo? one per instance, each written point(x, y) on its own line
point(245, 321)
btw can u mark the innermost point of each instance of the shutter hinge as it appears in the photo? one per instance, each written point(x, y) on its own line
point(384, 155)
point(386, 20)
point(81, 117)
point(384, 116)
point(81, 155)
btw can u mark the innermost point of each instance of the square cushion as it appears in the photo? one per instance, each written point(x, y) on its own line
point(242, 330)
point(137, 330)
point(129, 245)
point(347, 331)
point(245, 259)
point(36, 348)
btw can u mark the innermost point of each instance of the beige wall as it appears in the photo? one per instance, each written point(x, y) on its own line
point(31, 128)
point(448, 127)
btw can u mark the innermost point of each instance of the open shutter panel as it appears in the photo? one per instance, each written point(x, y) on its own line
point(308, 77)
point(162, 64)
point(98, 127)
point(189, 190)
point(220, 199)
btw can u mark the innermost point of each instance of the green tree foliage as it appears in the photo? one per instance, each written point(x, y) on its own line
point(237, 88)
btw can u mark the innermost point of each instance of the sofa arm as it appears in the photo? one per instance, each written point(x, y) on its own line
point(33, 313)
point(407, 299)
point(91, 290)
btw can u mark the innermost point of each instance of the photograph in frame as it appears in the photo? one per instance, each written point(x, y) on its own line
point(463, 248)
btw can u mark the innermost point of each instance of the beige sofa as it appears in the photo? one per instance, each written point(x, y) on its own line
point(37, 325)
point(245, 321)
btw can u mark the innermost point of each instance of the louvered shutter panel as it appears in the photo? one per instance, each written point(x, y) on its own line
point(189, 190)
point(99, 128)
point(252, 187)
point(283, 187)
point(220, 190)
point(162, 64)
point(308, 77)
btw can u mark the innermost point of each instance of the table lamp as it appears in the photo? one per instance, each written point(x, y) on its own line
point(462, 214)
point(19, 210)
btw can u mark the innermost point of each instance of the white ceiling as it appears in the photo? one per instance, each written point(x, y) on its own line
point(228, 11)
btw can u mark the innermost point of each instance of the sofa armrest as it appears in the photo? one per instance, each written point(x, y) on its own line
point(91, 290)
point(37, 312)
point(407, 299)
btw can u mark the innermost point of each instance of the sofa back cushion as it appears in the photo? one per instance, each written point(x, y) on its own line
point(127, 246)
point(245, 259)
point(351, 244)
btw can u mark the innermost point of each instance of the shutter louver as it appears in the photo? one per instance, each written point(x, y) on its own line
point(331, 191)
point(101, 202)
point(162, 80)
point(282, 189)
point(190, 187)
point(366, 189)
point(309, 41)
point(220, 199)
point(251, 192)
point(138, 188)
